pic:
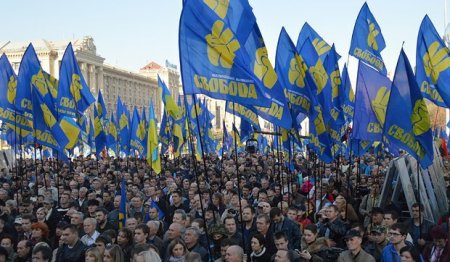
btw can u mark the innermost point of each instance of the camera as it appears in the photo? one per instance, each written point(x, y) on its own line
point(232, 211)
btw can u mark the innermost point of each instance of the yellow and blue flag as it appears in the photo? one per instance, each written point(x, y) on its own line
point(137, 133)
point(433, 65)
point(367, 40)
point(223, 54)
point(31, 76)
point(412, 131)
point(165, 133)
point(307, 32)
point(112, 135)
point(179, 130)
point(91, 139)
point(123, 121)
point(74, 95)
point(292, 72)
point(169, 104)
point(244, 113)
point(373, 90)
point(153, 156)
point(99, 133)
point(123, 204)
point(101, 107)
point(47, 129)
point(8, 112)
point(348, 98)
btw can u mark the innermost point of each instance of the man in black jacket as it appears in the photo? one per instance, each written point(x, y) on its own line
point(333, 228)
point(73, 250)
point(280, 223)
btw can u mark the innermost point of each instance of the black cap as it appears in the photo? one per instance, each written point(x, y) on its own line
point(352, 233)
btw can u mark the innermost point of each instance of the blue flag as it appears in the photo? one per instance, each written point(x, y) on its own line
point(294, 77)
point(372, 96)
point(433, 65)
point(47, 130)
point(74, 95)
point(123, 121)
point(31, 75)
point(164, 133)
point(112, 136)
point(169, 104)
point(8, 112)
point(99, 133)
point(411, 131)
point(137, 134)
point(367, 40)
point(223, 54)
point(101, 107)
point(179, 129)
point(307, 32)
point(244, 113)
point(348, 98)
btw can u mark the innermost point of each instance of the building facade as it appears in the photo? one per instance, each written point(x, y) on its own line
point(134, 88)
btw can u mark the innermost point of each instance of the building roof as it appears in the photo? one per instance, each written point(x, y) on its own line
point(151, 66)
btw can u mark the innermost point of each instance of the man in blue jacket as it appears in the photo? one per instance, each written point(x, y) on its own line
point(280, 223)
point(397, 235)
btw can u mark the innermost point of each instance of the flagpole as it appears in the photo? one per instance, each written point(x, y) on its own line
point(238, 177)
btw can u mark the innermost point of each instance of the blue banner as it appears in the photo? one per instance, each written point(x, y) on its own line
point(367, 40)
point(433, 65)
point(411, 131)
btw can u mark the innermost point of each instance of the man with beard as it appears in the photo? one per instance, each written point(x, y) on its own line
point(102, 221)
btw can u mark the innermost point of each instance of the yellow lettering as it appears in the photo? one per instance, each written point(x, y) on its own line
point(226, 87)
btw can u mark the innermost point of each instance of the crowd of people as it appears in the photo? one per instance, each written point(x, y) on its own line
point(216, 210)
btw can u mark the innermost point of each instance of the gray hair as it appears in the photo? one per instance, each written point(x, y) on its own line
point(91, 220)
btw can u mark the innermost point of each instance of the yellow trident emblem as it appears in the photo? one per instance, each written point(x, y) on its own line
point(380, 103)
point(220, 7)
point(419, 118)
point(140, 132)
point(75, 87)
point(263, 68)
point(373, 33)
point(221, 45)
point(297, 71)
point(436, 61)
point(39, 81)
point(123, 122)
point(12, 89)
point(49, 119)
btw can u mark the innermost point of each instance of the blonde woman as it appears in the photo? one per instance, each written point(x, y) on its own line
point(41, 214)
point(93, 255)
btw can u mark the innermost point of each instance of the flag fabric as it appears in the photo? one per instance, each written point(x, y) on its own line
point(91, 139)
point(348, 97)
point(161, 213)
point(31, 74)
point(293, 75)
point(101, 107)
point(123, 204)
point(433, 65)
point(307, 33)
point(179, 129)
point(99, 132)
point(222, 53)
point(169, 104)
point(74, 95)
point(165, 132)
point(123, 122)
point(367, 40)
point(47, 130)
point(373, 90)
point(412, 131)
point(112, 136)
point(244, 113)
point(153, 157)
point(8, 112)
point(137, 134)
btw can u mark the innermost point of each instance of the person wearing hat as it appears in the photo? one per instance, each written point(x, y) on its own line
point(377, 241)
point(376, 219)
point(355, 253)
point(438, 249)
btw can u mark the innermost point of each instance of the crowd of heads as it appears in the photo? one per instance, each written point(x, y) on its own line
point(254, 209)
